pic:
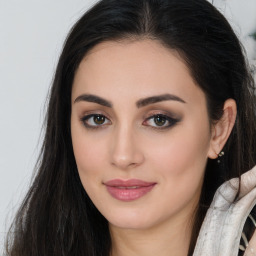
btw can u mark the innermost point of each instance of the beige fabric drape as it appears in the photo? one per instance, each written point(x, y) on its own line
point(222, 228)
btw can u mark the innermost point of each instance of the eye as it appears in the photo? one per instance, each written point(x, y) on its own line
point(95, 120)
point(160, 121)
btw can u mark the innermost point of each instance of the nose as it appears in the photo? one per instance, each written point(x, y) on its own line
point(125, 149)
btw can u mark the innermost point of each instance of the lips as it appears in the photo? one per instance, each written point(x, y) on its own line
point(128, 190)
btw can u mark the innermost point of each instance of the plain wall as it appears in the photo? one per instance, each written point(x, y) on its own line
point(31, 37)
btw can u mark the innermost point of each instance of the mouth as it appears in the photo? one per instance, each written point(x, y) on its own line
point(128, 190)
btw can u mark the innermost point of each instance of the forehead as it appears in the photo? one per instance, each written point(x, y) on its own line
point(134, 69)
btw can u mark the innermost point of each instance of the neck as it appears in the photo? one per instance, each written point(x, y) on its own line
point(171, 237)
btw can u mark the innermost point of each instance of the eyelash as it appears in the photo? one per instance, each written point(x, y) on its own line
point(171, 121)
point(85, 119)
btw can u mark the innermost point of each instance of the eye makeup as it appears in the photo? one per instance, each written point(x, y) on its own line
point(156, 120)
point(95, 121)
point(160, 121)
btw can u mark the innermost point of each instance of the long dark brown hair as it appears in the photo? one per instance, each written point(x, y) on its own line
point(57, 217)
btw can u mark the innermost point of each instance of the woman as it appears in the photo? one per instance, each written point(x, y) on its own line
point(151, 110)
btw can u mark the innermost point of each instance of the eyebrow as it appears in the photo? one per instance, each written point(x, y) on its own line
point(94, 99)
point(158, 98)
point(140, 103)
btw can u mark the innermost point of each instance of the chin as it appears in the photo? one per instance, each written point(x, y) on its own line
point(132, 221)
point(137, 224)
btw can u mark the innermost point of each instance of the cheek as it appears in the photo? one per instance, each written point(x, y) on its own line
point(88, 151)
point(182, 148)
point(180, 158)
point(89, 160)
point(180, 165)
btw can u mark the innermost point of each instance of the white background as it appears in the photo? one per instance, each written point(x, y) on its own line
point(31, 37)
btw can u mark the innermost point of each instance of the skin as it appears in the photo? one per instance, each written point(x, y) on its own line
point(131, 145)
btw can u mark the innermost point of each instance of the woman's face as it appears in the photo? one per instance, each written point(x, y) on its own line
point(141, 133)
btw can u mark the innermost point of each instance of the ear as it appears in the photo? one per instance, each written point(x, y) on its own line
point(222, 129)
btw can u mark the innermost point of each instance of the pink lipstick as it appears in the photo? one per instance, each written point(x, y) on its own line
point(128, 190)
